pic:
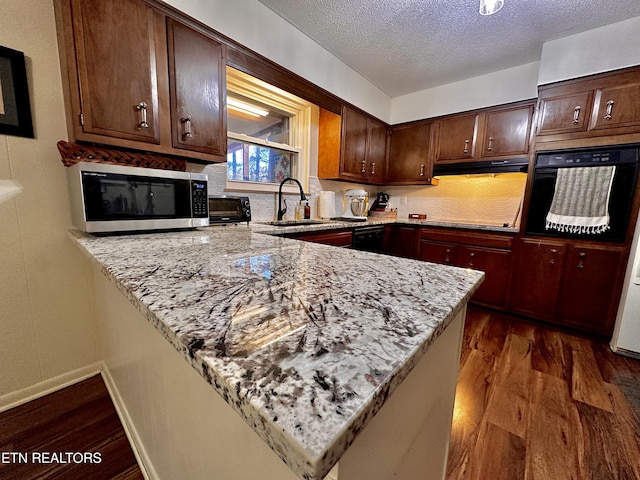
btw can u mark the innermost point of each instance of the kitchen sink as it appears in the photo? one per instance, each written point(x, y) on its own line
point(293, 223)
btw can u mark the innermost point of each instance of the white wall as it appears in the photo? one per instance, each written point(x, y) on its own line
point(504, 86)
point(46, 295)
point(252, 24)
point(595, 51)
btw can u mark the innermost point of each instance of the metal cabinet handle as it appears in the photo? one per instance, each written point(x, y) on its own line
point(553, 252)
point(466, 146)
point(490, 146)
point(582, 257)
point(576, 114)
point(447, 259)
point(142, 111)
point(363, 170)
point(373, 168)
point(186, 127)
point(607, 115)
point(422, 170)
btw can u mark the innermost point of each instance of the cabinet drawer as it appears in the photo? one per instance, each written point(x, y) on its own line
point(468, 238)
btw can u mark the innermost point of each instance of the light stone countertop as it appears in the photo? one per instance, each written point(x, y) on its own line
point(264, 227)
point(304, 341)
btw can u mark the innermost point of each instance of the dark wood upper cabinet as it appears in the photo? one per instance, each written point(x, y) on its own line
point(116, 69)
point(196, 81)
point(486, 134)
point(595, 110)
point(506, 131)
point(564, 113)
point(617, 107)
point(410, 160)
point(134, 76)
point(351, 146)
point(457, 137)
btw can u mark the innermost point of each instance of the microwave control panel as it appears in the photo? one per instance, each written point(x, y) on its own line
point(199, 199)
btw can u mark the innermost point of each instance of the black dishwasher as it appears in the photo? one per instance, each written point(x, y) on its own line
point(369, 239)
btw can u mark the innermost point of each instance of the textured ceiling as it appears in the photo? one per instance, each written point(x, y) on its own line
point(404, 46)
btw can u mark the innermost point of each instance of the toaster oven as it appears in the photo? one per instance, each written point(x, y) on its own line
point(224, 209)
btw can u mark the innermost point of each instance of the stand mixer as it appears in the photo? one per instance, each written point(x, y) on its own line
point(355, 205)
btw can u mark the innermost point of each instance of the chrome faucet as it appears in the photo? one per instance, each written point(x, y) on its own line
point(282, 211)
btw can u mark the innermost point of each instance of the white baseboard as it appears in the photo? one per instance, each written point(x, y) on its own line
point(14, 399)
point(144, 462)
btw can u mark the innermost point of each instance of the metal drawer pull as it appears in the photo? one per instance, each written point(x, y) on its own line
point(186, 127)
point(373, 168)
point(582, 257)
point(364, 167)
point(490, 146)
point(576, 114)
point(142, 110)
point(609, 110)
point(553, 252)
point(466, 146)
point(422, 170)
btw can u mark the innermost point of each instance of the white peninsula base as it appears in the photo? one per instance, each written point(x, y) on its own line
point(182, 429)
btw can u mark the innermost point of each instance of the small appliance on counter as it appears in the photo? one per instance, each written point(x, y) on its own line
point(107, 198)
point(228, 209)
point(355, 203)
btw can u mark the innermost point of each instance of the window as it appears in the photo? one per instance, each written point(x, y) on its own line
point(268, 134)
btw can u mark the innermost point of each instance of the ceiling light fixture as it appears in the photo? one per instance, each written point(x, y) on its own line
point(489, 7)
point(239, 106)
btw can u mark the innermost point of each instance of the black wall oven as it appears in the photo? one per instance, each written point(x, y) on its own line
point(547, 165)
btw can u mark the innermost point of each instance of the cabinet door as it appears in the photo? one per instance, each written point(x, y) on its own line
point(409, 158)
point(456, 138)
point(116, 62)
point(565, 113)
point(353, 162)
point(438, 252)
point(507, 131)
point(495, 264)
point(590, 290)
point(401, 241)
point(197, 89)
point(342, 238)
point(537, 273)
point(376, 151)
point(617, 107)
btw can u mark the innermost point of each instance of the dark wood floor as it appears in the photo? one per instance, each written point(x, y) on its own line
point(538, 403)
point(532, 403)
point(80, 419)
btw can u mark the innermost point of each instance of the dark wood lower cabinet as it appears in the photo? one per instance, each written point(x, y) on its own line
point(569, 283)
point(490, 253)
point(591, 286)
point(537, 272)
point(400, 241)
point(496, 264)
point(338, 238)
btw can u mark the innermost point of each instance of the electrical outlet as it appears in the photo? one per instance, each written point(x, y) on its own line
point(404, 200)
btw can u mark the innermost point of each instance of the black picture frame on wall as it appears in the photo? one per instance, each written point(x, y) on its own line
point(15, 107)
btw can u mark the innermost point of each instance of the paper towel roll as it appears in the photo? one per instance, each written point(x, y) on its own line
point(327, 204)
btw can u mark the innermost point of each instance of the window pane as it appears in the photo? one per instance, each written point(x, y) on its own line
point(274, 126)
point(256, 163)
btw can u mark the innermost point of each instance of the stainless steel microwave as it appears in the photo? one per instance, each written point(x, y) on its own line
point(116, 198)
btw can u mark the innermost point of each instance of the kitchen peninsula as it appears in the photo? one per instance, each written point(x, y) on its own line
point(329, 355)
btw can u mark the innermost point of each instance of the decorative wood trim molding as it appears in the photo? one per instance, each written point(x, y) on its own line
point(74, 152)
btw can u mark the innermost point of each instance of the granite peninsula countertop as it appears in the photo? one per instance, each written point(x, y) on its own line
point(304, 341)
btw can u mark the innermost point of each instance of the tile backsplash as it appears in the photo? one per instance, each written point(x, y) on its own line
point(492, 199)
